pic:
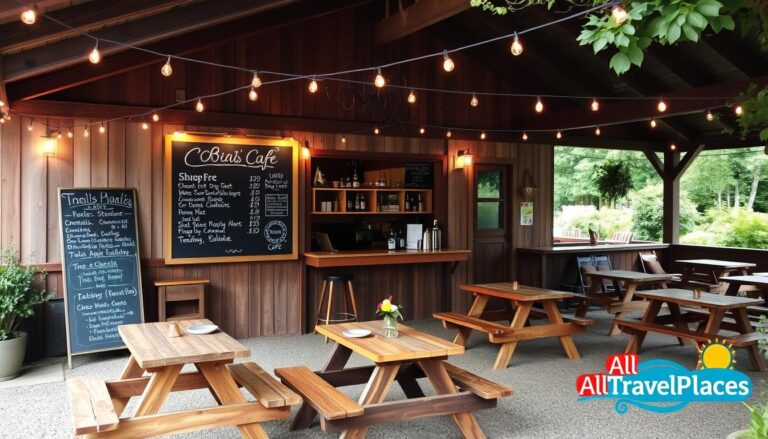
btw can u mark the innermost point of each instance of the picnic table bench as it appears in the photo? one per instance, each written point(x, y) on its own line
point(710, 272)
point(519, 308)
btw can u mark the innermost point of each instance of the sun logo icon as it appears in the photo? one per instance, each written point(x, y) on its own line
point(717, 354)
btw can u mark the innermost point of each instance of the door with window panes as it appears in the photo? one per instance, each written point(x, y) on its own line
point(490, 253)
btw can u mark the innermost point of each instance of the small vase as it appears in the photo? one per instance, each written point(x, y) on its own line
point(390, 327)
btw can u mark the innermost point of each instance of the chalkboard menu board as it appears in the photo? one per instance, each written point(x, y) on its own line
point(100, 254)
point(419, 175)
point(230, 199)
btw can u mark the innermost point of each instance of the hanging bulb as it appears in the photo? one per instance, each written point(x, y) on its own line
point(343, 139)
point(474, 102)
point(661, 106)
point(411, 97)
point(252, 95)
point(29, 16)
point(2, 120)
point(379, 81)
point(58, 135)
point(448, 134)
point(595, 105)
point(738, 110)
point(155, 117)
point(517, 47)
point(539, 105)
point(597, 131)
point(95, 56)
point(618, 14)
point(30, 127)
point(199, 107)
point(102, 129)
point(70, 134)
point(710, 117)
point(672, 147)
point(653, 123)
point(256, 81)
point(525, 136)
point(144, 126)
point(313, 86)
point(422, 130)
point(448, 64)
point(85, 132)
point(559, 135)
point(482, 135)
point(376, 130)
point(167, 70)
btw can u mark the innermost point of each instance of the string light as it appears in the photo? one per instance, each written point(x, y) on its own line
point(482, 135)
point(85, 132)
point(517, 47)
point(199, 107)
point(661, 106)
point(422, 130)
point(597, 131)
point(618, 14)
point(738, 110)
point(411, 97)
point(653, 123)
point(256, 81)
point(144, 126)
point(448, 134)
point(2, 120)
point(474, 102)
point(672, 147)
point(448, 64)
point(312, 86)
point(30, 127)
point(155, 117)
point(252, 95)
point(525, 136)
point(710, 117)
point(343, 139)
point(539, 105)
point(58, 135)
point(29, 16)
point(559, 135)
point(167, 70)
point(102, 128)
point(95, 56)
point(379, 81)
point(376, 130)
point(595, 105)
point(70, 134)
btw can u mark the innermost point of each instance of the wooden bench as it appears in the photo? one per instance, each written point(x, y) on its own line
point(92, 408)
point(737, 340)
point(321, 396)
point(475, 323)
point(581, 321)
point(267, 390)
point(476, 384)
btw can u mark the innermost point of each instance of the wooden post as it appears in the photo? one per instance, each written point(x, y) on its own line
point(671, 198)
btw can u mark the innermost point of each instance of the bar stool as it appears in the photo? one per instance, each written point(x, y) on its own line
point(345, 281)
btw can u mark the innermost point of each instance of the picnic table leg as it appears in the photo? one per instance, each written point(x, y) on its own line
point(476, 310)
point(224, 387)
point(677, 321)
point(712, 326)
point(407, 380)
point(507, 349)
point(745, 327)
point(377, 388)
point(631, 287)
point(733, 289)
point(443, 385)
point(131, 370)
point(554, 316)
point(160, 384)
point(636, 340)
point(594, 286)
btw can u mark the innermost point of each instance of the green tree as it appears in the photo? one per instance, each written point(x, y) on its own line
point(648, 213)
point(707, 181)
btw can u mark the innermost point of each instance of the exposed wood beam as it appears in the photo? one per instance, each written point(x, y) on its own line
point(656, 162)
point(85, 17)
point(686, 161)
point(158, 27)
point(737, 52)
point(5, 105)
point(195, 41)
point(416, 17)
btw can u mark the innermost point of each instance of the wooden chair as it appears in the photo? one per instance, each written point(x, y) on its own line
point(603, 263)
point(622, 237)
point(583, 263)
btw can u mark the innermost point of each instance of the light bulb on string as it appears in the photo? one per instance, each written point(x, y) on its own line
point(379, 81)
point(70, 134)
point(595, 106)
point(517, 47)
point(661, 106)
point(559, 135)
point(448, 134)
point(95, 56)
point(653, 123)
point(2, 120)
point(738, 110)
point(167, 70)
point(525, 136)
point(343, 139)
point(539, 107)
point(482, 135)
point(710, 117)
point(252, 95)
point(411, 97)
point(30, 127)
point(29, 16)
point(256, 81)
point(672, 147)
point(199, 107)
point(86, 133)
point(422, 130)
point(597, 131)
point(58, 135)
point(144, 126)
point(474, 102)
point(619, 14)
point(376, 130)
point(448, 64)
point(312, 86)
point(102, 128)
point(155, 117)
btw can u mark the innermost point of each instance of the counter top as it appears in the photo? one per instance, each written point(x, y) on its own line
point(600, 248)
point(383, 257)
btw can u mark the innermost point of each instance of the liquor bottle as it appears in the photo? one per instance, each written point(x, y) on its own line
point(357, 202)
point(391, 240)
point(421, 203)
point(407, 202)
point(350, 204)
point(355, 181)
point(400, 240)
point(437, 237)
point(362, 203)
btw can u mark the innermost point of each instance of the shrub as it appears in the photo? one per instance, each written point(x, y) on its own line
point(605, 221)
point(648, 216)
point(21, 289)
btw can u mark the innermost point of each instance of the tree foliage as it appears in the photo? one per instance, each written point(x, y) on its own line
point(648, 213)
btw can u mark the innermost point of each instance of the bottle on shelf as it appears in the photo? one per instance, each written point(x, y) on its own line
point(391, 240)
point(357, 202)
point(407, 202)
point(350, 204)
point(362, 203)
point(400, 240)
point(437, 237)
point(420, 203)
point(355, 181)
point(426, 239)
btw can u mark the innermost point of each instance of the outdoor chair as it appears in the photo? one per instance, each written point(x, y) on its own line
point(622, 237)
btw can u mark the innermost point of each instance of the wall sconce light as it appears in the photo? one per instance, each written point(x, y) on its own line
point(49, 144)
point(305, 152)
point(464, 159)
point(529, 189)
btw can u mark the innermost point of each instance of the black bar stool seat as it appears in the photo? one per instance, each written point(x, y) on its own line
point(338, 277)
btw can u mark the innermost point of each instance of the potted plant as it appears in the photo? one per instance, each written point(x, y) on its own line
point(391, 313)
point(21, 289)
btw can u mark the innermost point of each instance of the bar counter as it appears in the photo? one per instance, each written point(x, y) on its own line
point(383, 257)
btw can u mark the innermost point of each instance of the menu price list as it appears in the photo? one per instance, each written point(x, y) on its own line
point(100, 253)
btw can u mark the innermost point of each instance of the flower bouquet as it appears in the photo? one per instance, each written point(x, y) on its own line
point(390, 312)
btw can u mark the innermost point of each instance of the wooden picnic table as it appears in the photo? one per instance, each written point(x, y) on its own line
point(709, 271)
point(623, 301)
point(736, 284)
point(413, 354)
point(519, 308)
point(153, 371)
point(716, 307)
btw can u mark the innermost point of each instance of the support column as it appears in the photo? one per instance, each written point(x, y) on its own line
point(671, 208)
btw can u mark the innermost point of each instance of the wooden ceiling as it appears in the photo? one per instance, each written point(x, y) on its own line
point(46, 60)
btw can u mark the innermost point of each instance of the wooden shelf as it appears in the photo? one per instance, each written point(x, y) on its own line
point(339, 195)
point(373, 213)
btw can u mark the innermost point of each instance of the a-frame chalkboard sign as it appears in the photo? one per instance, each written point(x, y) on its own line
point(100, 265)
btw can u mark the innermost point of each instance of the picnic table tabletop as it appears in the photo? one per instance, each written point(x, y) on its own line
point(523, 293)
point(629, 276)
point(715, 263)
point(705, 300)
point(753, 279)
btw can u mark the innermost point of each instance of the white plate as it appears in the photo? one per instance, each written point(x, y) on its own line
point(356, 333)
point(202, 329)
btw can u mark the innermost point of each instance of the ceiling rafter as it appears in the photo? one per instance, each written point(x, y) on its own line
point(416, 17)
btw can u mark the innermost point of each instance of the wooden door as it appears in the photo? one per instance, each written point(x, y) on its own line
point(490, 247)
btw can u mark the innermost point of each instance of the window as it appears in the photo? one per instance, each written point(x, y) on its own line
point(489, 198)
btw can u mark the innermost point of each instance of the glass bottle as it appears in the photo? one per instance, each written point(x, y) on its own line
point(357, 202)
point(362, 203)
point(407, 202)
point(391, 240)
point(436, 236)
